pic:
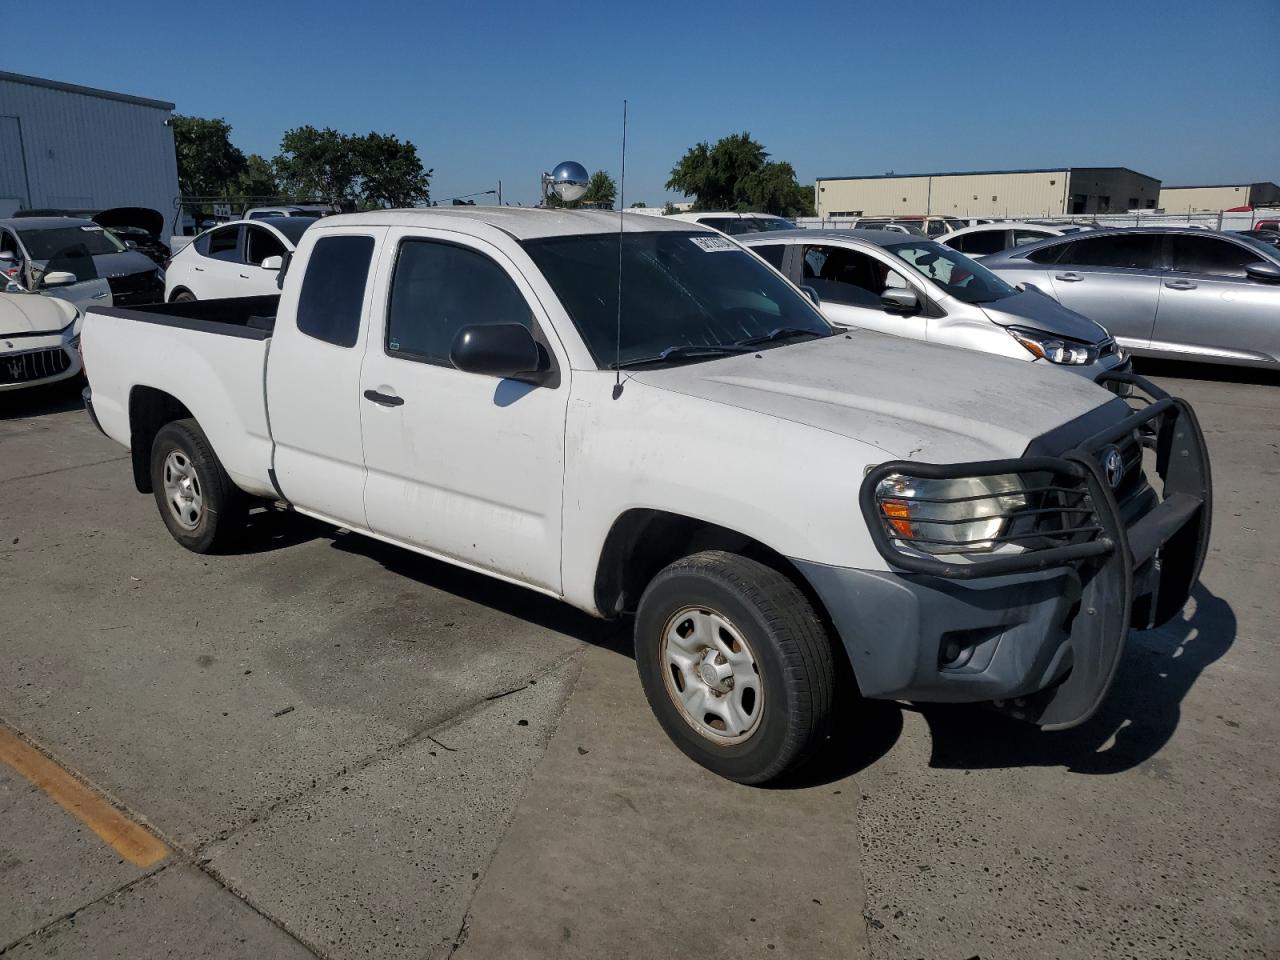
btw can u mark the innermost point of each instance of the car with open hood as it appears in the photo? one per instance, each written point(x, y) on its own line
point(32, 247)
point(914, 287)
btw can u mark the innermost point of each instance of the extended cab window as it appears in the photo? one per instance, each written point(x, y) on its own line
point(332, 296)
point(439, 288)
point(1210, 256)
point(1131, 250)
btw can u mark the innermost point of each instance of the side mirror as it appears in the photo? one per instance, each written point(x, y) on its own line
point(900, 300)
point(812, 294)
point(1263, 272)
point(58, 278)
point(505, 350)
point(131, 244)
point(272, 263)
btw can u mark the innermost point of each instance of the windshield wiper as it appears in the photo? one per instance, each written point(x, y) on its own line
point(681, 351)
point(780, 333)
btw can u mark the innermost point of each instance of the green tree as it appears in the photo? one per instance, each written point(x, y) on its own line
point(390, 172)
point(601, 190)
point(736, 174)
point(316, 164)
point(257, 180)
point(377, 170)
point(209, 164)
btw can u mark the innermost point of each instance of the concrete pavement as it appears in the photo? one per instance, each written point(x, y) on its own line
point(327, 732)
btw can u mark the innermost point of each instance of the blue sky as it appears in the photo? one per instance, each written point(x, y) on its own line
point(1187, 92)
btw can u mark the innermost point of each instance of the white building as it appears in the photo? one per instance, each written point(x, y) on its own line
point(67, 146)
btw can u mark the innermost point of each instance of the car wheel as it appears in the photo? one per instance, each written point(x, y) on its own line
point(200, 505)
point(183, 296)
point(736, 665)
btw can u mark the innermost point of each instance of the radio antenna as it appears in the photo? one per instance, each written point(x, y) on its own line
point(622, 207)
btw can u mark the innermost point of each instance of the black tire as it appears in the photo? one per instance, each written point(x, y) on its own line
point(223, 505)
point(183, 296)
point(792, 654)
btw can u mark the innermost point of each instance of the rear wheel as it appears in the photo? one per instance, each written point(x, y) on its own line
point(183, 296)
point(736, 665)
point(202, 508)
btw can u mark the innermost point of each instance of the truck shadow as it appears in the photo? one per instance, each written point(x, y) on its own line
point(1136, 720)
point(505, 598)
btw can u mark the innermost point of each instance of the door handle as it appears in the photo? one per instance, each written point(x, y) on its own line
point(99, 296)
point(1068, 277)
point(1180, 284)
point(244, 276)
point(198, 269)
point(383, 399)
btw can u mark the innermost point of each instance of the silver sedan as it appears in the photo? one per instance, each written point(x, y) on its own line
point(1189, 294)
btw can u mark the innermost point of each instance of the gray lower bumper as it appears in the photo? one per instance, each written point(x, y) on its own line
point(916, 637)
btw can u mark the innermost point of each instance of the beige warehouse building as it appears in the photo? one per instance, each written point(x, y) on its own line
point(989, 193)
point(1219, 197)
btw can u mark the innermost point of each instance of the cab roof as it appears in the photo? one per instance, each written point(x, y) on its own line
point(522, 223)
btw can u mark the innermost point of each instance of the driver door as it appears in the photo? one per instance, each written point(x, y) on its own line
point(850, 282)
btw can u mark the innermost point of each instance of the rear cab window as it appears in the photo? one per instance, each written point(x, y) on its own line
point(332, 297)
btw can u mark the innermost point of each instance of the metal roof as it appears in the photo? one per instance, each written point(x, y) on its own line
point(1216, 186)
point(87, 91)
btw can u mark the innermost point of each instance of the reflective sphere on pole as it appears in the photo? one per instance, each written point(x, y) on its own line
point(569, 180)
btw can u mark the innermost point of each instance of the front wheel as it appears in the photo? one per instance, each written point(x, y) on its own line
point(736, 665)
point(183, 296)
point(199, 504)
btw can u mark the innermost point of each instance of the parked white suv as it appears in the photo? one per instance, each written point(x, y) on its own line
point(778, 502)
point(237, 259)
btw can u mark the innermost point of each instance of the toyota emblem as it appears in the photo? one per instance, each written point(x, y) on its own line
point(1113, 465)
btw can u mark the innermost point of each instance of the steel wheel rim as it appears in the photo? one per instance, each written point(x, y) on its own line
point(182, 490)
point(711, 675)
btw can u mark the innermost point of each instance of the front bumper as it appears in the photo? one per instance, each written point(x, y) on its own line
point(1040, 630)
point(35, 361)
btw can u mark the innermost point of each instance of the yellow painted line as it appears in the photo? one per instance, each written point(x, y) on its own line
point(124, 836)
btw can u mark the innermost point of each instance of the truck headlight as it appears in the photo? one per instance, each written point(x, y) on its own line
point(1046, 346)
point(960, 515)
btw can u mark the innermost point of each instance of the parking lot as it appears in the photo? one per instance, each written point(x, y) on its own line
point(322, 745)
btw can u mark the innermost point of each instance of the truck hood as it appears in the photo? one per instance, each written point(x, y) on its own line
point(1039, 311)
point(22, 314)
point(913, 400)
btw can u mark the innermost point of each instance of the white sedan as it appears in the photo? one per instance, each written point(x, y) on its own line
point(39, 340)
point(987, 238)
point(238, 259)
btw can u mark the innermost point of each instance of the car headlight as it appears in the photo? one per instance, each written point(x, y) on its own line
point(960, 515)
point(1046, 346)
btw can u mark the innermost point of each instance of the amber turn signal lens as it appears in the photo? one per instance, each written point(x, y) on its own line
point(899, 516)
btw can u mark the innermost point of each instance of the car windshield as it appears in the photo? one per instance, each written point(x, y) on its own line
point(1267, 247)
point(955, 273)
point(694, 292)
point(293, 227)
point(90, 239)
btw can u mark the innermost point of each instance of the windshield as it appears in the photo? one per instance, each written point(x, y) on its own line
point(955, 273)
point(91, 240)
point(293, 227)
point(680, 290)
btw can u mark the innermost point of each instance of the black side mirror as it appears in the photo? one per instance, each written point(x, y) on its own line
point(505, 350)
point(1263, 272)
point(900, 300)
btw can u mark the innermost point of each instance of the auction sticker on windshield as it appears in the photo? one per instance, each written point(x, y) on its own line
point(714, 244)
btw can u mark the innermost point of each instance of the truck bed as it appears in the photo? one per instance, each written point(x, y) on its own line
point(250, 317)
point(210, 356)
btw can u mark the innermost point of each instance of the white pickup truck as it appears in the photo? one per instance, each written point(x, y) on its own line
point(780, 504)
